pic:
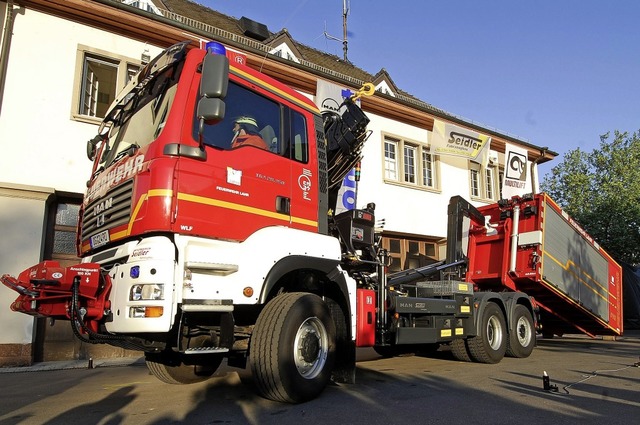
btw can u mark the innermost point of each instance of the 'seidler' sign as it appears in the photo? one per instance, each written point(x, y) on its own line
point(450, 139)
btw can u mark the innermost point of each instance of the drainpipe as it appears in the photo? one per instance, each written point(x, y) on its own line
point(6, 45)
point(534, 175)
point(514, 238)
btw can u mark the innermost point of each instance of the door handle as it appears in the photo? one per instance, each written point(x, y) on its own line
point(283, 205)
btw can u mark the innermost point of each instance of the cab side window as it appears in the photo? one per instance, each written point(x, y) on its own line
point(300, 148)
point(262, 115)
point(283, 130)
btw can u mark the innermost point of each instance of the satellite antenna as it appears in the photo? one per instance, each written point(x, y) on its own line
point(345, 12)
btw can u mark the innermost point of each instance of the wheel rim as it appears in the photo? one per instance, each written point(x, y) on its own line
point(523, 332)
point(494, 333)
point(311, 348)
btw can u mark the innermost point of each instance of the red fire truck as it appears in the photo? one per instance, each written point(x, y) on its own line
point(198, 245)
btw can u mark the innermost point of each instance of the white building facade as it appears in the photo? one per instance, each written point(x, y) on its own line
point(63, 62)
point(44, 123)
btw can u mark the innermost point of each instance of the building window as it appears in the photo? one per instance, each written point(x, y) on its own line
point(490, 182)
point(62, 223)
point(482, 182)
point(145, 5)
point(99, 77)
point(410, 168)
point(475, 183)
point(417, 163)
point(427, 169)
point(99, 80)
point(390, 162)
point(64, 230)
point(409, 253)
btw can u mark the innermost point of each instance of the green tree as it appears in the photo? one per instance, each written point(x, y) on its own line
point(601, 191)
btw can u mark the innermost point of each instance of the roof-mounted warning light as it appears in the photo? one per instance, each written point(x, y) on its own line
point(215, 48)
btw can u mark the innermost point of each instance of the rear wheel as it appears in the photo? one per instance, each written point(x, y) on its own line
point(293, 348)
point(522, 335)
point(460, 351)
point(491, 344)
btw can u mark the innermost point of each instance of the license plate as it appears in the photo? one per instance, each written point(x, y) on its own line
point(100, 239)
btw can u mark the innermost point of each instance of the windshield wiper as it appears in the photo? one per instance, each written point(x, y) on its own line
point(98, 171)
point(127, 152)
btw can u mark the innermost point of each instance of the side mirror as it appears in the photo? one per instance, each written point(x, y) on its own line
point(210, 111)
point(92, 147)
point(215, 76)
point(213, 89)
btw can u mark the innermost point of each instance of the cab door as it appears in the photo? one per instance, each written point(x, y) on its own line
point(239, 189)
point(304, 169)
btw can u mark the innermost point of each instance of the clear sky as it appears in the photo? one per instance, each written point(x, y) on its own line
point(554, 73)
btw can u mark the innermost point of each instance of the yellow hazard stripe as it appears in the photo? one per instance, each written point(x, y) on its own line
point(274, 89)
point(168, 193)
point(567, 267)
point(244, 208)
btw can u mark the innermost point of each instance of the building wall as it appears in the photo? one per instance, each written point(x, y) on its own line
point(43, 146)
point(22, 219)
point(411, 210)
point(42, 142)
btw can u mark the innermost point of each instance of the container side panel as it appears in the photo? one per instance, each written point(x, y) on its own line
point(575, 266)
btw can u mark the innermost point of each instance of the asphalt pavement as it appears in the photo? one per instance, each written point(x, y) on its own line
point(633, 335)
point(592, 381)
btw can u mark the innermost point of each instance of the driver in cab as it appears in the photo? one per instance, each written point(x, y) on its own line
point(246, 133)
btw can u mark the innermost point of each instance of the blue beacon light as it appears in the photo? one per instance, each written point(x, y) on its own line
point(215, 48)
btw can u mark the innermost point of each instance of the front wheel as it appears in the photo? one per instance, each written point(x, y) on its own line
point(293, 348)
point(170, 368)
point(522, 336)
point(490, 345)
point(183, 374)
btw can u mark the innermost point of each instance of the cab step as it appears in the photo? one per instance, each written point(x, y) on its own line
point(206, 350)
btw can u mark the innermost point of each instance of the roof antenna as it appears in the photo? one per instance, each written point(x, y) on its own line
point(345, 12)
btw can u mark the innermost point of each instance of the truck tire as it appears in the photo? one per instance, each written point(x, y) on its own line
point(522, 335)
point(490, 345)
point(292, 348)
point(182, 374)
point(460, 351)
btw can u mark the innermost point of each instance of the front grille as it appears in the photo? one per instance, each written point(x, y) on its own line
point(109, 211)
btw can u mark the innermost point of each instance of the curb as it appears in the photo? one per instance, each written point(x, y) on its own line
point(75, 364)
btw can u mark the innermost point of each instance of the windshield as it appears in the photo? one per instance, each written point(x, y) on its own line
point(139, 117)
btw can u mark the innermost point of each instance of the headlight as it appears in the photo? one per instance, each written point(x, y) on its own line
point(153, 291)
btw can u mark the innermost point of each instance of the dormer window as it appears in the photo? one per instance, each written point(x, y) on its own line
point(145, 5)
point(284, 51)
point(383, 87)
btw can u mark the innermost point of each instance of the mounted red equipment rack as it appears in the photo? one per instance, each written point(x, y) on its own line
point(67, 293)
point(532, 245)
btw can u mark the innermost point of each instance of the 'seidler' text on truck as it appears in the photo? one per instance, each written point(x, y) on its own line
point(197, 248)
